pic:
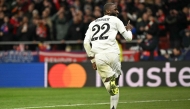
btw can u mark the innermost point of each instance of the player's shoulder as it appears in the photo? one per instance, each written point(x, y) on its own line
point(113, 17)
point(92, 23)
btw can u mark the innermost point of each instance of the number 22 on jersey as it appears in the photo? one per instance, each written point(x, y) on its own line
point(96, 28)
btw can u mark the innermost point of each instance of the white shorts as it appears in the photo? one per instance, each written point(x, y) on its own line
point(108, 64)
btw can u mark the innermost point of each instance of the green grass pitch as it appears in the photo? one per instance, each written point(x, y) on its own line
point(94, 98)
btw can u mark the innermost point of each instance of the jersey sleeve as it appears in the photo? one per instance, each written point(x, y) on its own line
point(86, 43)
point(120, 26)
point(122, 30)
point(88, 34)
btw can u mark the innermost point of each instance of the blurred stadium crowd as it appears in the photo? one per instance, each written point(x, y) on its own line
point(156, 24)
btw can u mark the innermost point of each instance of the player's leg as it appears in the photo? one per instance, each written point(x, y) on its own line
point(109, 77)
point(113, 87)
point(114, 101)
point(116, 66)
point(114, 98)
point(103, 66)
point(109, 66)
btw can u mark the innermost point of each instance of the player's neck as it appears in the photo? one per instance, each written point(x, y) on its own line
point(106, 14)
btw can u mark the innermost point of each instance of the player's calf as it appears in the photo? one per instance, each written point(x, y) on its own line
point(111, 85)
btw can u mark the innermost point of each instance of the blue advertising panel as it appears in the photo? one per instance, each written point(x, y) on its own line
point(22, 75)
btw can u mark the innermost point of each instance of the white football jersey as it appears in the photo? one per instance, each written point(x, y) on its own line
point(102, 35)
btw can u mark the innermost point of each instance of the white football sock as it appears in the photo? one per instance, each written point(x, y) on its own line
point(114, 101)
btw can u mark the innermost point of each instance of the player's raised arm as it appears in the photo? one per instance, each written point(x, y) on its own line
point(127, 34)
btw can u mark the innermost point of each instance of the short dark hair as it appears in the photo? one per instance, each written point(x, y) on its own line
point(107, 6)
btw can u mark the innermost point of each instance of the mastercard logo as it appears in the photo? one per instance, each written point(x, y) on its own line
point(72, 75)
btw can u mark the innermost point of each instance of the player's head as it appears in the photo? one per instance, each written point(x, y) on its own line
point(110, 9)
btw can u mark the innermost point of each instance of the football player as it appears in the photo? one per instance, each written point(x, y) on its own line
point(104, 51)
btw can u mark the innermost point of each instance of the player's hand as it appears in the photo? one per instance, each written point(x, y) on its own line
point(94, 66)
point(128, 27)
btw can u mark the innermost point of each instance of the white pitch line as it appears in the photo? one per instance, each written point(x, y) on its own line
point(147, 101)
